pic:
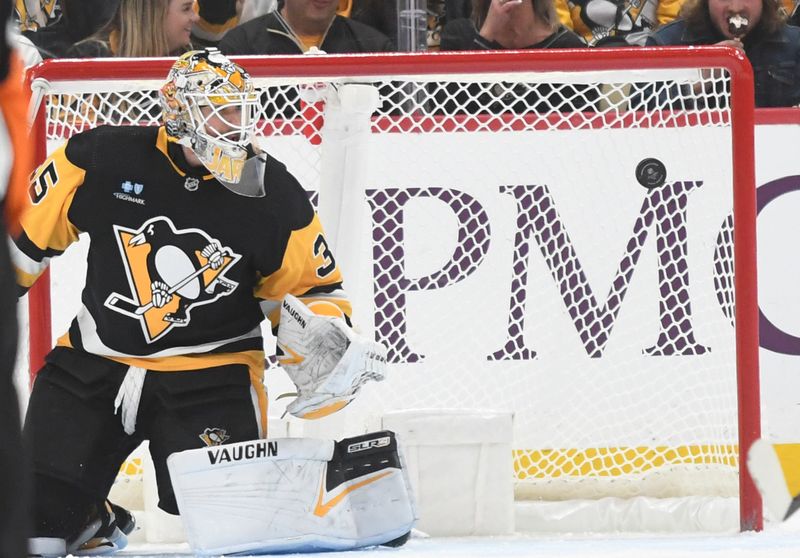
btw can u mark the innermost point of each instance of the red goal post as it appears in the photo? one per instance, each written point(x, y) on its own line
point(599, 96)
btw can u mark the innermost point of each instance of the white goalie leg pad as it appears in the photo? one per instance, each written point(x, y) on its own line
point(292, 495)
point(325, 358)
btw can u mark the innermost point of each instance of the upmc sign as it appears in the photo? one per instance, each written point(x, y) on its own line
point(664, 209)
point(549, 236)
point(533, 271)
point(490, 264)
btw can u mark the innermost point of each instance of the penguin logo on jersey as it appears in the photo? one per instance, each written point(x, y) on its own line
point(169, 272)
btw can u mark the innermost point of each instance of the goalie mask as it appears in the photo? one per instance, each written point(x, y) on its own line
point(209, 105)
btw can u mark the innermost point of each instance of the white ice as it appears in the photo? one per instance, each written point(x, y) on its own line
point(776, 541)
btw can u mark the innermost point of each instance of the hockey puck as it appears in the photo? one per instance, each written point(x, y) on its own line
point(651, 173)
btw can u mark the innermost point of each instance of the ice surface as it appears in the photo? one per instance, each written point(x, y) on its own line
point(781, 541)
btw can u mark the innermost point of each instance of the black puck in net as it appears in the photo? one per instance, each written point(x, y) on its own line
point(651, 173)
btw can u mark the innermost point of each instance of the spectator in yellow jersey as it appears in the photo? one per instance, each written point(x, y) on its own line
point(616, 23)
point(55, 25)
point(300, 25)
point(142, 28)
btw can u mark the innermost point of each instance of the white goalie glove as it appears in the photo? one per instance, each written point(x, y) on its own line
point(325, 358)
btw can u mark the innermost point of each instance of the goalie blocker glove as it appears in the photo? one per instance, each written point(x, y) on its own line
point(327, 361)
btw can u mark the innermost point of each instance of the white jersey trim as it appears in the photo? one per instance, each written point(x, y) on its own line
point(93, 344)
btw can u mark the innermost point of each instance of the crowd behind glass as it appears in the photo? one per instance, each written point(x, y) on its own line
point(763, 29)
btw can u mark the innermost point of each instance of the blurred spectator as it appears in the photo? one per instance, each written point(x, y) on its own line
point(616, 22)
point(301, 24)
point(513, 24)
point(219, 16)
point(26, 50)
point(216, 17)
point(754, 26)
point(251, 9)
point(439, 13)
point(509, 24)
point(378, 14)
point(382, 15)
point(32, 15)
point(794, 17)
point(142, 28)
point(55, 25)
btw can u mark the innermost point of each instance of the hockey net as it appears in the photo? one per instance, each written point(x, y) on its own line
point(550, 234)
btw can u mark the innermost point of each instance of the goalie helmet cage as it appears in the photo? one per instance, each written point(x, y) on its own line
point(525, 172)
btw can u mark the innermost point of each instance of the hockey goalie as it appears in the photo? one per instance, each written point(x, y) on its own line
point(201, 235)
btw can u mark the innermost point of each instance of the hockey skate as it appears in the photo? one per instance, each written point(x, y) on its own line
point(106, 533)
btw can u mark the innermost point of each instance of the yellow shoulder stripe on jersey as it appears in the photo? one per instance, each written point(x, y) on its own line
point(307, 263)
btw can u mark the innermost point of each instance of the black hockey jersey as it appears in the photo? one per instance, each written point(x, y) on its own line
point(157, 229)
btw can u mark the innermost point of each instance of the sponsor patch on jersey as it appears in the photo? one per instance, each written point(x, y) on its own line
point(169, 271)
point(130, 192)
